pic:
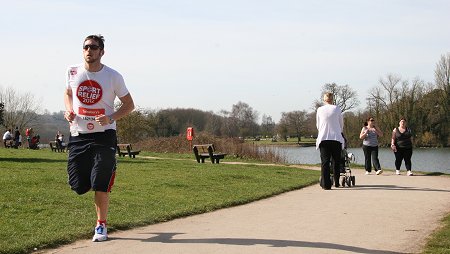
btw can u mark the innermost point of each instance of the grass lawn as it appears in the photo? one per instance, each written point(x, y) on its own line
point(439, 242)
point(190, 156)
point(38, 209)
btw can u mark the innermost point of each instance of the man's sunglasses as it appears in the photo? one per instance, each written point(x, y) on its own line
point(93, 47)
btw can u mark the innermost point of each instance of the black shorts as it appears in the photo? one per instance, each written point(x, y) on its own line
point(92, 161)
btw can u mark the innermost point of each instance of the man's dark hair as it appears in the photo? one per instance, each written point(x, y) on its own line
point(98, 38)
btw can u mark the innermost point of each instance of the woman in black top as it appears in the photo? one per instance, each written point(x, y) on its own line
point(401, 144)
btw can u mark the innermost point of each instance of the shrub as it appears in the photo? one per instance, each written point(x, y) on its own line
point(232, 146)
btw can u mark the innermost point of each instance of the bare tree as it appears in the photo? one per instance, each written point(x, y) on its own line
point(229, 127)
point(246, 118)
point(382, 100)
point(442, 78)
point(344, 96)
point(20, 109)
point(411, 94)
point(310, 126)
point(295, 121)
point(395, 98)
point(267, 126)
point(442, 75)
point(213, 124)
point(376, 103)
point(282, 128)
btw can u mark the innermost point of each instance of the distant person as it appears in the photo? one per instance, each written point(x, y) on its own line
point(330, 124)
point(93, 141)
point(59, 140)
point(402, 145)
point(7, 137)
point(34, 142)
point(29, 134)
point(16, 137)
point(20, 140)
point(369, 134)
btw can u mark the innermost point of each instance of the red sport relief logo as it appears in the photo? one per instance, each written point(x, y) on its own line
point(89, 92)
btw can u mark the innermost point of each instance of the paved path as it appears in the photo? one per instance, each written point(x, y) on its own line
point(382, 214)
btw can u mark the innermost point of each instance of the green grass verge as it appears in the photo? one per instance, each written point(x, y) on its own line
point(439, 241)
point(190, 156)
point(38, 209)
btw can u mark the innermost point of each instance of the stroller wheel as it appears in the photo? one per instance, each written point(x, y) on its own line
point(353, 180)
point(348, 181)
point(342, 181)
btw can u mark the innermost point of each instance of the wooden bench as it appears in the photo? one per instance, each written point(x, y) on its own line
point(203, 152)
point(56, 148)
point(126, 149)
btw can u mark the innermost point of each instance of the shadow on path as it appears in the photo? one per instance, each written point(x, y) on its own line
point(394, 187)
point(168, 238)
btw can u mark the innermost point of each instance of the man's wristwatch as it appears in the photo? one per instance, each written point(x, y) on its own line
point(111, 120)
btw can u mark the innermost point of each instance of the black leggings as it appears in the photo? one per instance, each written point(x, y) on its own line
point(371, 155)
point(403, 154)
point(330, 149)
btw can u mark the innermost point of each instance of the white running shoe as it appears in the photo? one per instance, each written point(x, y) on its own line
point(367, 173)
point(379, 172)
point(100, 233)
point(397, 172)
point(409, 173)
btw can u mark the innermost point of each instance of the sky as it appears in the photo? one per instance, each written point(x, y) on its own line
point(274, 55)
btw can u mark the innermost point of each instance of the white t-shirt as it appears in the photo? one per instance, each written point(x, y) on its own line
point(330, 124)
point(93, 94)
point(7, 135)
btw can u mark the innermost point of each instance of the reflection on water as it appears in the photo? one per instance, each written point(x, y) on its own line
point(423, 159)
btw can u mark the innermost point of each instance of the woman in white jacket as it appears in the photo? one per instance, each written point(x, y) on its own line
point(330, 124)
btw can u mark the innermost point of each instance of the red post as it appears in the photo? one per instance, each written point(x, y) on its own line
point(190, 136)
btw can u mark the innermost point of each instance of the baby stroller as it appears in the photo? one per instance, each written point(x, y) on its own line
point(346, 177)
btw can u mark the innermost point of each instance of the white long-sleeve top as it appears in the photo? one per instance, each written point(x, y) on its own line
point(330, 124)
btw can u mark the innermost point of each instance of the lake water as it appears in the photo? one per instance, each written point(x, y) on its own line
point(423, 159)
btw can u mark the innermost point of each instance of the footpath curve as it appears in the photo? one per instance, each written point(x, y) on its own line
point(381, 214)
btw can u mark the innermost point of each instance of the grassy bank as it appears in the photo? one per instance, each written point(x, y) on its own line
point(37, 208)
point(439, 242)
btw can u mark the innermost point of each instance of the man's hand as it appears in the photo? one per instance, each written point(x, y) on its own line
point(103, 120)
point(69, 116)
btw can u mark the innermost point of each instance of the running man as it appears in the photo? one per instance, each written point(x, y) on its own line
point(91, 88)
